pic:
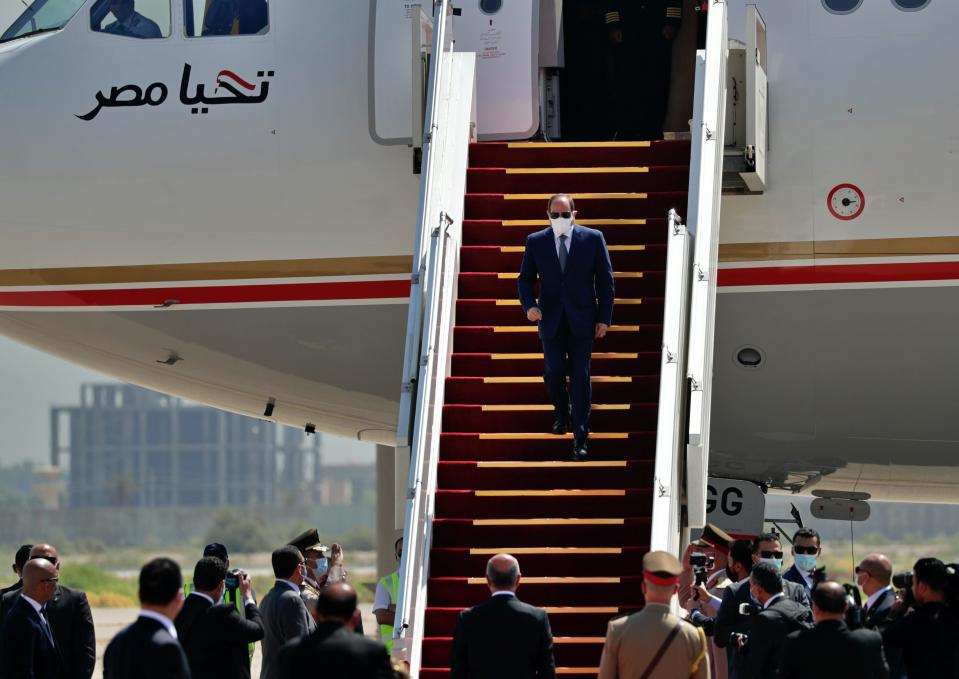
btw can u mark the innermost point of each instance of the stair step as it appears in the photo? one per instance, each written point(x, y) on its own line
point(512, 154)
point(510, 533)
point(487, 365)
point(634, 446)
point(565, 621)
point(507, 259)
point(591, 205)
point(588, 591)
point(567, 651)
point(524, 338)
point(500, 312)
point(629, 284)
point(531, 389)
point(577, 179)
point(514, 231)
point(486, 475)
point(536, 561)
point(518, 418)
point(465, 504)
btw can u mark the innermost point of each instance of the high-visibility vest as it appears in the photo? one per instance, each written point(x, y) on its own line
point(231, 596)
point(391, 583)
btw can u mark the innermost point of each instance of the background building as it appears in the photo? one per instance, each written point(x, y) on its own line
point(124, 446)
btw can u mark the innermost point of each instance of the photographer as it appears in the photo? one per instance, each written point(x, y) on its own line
point(925, 629)
point(729, 621)
point(214, 635)
point(704, 579)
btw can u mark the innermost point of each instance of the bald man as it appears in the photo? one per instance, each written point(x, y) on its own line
point(830, 650)
point(874, 575)
point(27, 647)
point(70, 620)
point(503, 637)
point(333, 649)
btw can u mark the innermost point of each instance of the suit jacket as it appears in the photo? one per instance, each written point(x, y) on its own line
point(145, 650)
point(927, 640)
point(574, 292)
point(333, 651)
point(72, 624)
point(26, 647)
point(830, 650)
point(285, 618)
point(215, 638)
point(877, 617)
point(632, 642)
point(502, 638)
point(760, 658)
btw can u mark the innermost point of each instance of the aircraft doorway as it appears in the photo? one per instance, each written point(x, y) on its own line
point(621, 82)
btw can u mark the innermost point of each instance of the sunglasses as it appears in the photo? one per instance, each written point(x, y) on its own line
point(557, 215)
point(766, 554)
point(805, 550)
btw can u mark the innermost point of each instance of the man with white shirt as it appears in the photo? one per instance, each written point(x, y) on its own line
point(574, 307)
point(779, 617)
point(214, 635)
point(285, 616)
point(148, 649)
point(873, 575)
point(503, 637)
point(27, 648)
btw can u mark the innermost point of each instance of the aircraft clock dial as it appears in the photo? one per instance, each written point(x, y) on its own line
point(846, 202)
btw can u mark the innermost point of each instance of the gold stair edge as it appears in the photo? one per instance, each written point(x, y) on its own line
point(617, 169)
point(533, 328)
point(549, 522)
point(534, 380)
point(577, 144)
point(613, 195)
point(519, 464)
point(522, 435)
point(596, 354)
point(547, 407)
point(554, 492)
point(492, 551)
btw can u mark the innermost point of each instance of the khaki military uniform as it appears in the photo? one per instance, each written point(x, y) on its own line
point(631, 643)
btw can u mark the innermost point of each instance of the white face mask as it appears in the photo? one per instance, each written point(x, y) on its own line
point(778, 563)
point(805, 562)
point(561, 226)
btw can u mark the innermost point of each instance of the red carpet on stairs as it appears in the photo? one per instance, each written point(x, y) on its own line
point(580, 529)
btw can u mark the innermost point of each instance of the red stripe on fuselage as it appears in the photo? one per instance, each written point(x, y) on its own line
point(825, 274)
point(218, 294)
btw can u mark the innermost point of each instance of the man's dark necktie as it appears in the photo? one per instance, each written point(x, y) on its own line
point(562, 253)
point(46, 625)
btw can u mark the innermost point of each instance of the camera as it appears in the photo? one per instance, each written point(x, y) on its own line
point(701, 564)
point(854, 614)
point(749, 609)
point(233, 578)
point(902, 580)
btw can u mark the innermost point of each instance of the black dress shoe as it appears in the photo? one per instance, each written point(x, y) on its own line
point(579, 449)
point(560, 423)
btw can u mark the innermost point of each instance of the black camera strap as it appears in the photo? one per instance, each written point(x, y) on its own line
point(661, 652)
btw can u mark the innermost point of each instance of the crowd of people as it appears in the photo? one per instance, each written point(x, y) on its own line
point(741, 617)
point(205, 628)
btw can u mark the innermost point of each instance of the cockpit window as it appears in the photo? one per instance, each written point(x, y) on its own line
point(911, 5)
point(131, 18)
point(841, 6)
point(41, 16)
point(205, 18)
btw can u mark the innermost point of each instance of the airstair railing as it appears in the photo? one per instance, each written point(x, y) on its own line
point(705, 186)
point(673, 391)
point(449, 128)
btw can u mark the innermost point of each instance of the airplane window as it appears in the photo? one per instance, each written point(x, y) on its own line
point(132, 18)
point(41, 16)
point(841, 6)
point(911, 5)
point(204, 18)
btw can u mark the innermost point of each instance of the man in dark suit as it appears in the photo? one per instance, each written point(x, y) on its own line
point(27, 647)
point(503, 637)
point(873, 575)
point(807, 548)
point(70, 620)
point(779, 617)
point(214, 635)
point(148, 649)
point(743, 556)
point(574, 271)
point(21, 557)
point(334, 648)
point(285, 616)
point(830, 650)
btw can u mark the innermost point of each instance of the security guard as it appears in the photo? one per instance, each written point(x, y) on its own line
point(654, 643)
point(384, 603)
point(640, 35)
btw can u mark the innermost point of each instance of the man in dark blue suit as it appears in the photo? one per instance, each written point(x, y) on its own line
point(148, 649)
point(575, 306)
point(27, 649)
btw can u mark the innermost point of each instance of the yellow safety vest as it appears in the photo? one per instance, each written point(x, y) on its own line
point(391, 583)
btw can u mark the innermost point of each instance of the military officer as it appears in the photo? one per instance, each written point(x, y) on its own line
point(654, 643)
point(640, 35)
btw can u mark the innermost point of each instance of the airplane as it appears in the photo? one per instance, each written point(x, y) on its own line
point(228, 218)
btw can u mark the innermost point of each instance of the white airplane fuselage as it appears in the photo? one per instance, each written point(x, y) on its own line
point(261, 249)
